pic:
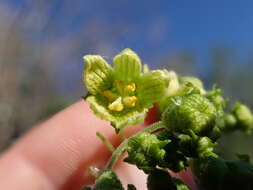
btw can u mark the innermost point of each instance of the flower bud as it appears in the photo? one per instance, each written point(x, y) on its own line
point(191, 112)
point(244, 117)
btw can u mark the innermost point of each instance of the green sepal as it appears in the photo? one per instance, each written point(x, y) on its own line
point(118, 120)
point(151, 87)
point(146, 151)
point(97, 74)
point(127, 66)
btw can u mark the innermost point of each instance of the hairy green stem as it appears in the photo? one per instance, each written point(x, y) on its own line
point(123, 146)
point(108, 145)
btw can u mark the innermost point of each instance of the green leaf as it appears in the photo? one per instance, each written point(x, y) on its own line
point(244, 157)
point(118, 120)
point(161, 180)
point(217, 173)
point(127, 66)
point(151, 87)
point(108, 180)
point(97, 74)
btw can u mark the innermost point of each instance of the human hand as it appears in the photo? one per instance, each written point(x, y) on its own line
point(56, 154)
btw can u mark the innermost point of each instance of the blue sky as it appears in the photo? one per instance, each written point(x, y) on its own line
point(155, 29)
point(165, 26)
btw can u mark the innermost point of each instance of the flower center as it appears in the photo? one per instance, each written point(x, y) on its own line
point(121, 96)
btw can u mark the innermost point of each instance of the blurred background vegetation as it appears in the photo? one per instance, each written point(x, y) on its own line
point(42, 43)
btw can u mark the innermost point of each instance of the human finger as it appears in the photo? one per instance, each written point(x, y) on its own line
point(56, 154)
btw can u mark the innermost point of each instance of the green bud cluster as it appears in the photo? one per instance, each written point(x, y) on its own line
point(244, 117)
point(194, 112)
point(146, 151)
point(108, 180)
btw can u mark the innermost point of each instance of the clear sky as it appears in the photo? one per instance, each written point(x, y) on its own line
point(156, 29)
point(164, 26)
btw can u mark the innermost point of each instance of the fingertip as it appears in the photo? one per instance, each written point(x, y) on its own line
point(63, 147)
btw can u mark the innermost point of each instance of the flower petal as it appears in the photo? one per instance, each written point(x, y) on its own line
point(127, 65)
point(151, 87)
point(97, 74)
point(128, 119)
point(174, 86)
point(118, 120)
point(99, 108)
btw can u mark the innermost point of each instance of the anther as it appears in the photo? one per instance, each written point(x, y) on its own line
point(129, 101)
point(116, 105)
point(130, 87)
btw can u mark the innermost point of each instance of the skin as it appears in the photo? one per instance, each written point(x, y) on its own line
point(55, 154)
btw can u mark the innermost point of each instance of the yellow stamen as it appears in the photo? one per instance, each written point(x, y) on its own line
point(116, 105)
point(130, 87)
point(109, 95)
point(130, 101)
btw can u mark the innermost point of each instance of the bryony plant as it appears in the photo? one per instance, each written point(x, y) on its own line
point(122, 93)
point(192, 120)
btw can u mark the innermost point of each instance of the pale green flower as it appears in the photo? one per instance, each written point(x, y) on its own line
point(122, 94)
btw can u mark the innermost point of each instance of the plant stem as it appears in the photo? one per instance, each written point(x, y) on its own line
point(123, 146)
point(109, 146)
